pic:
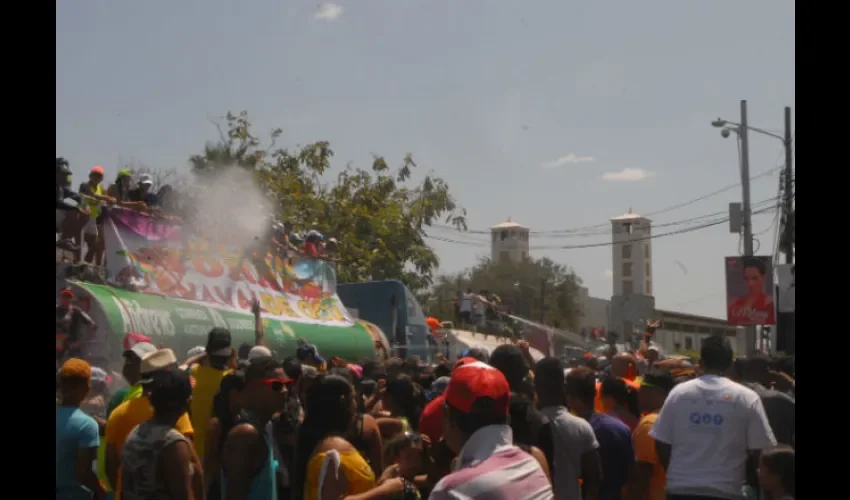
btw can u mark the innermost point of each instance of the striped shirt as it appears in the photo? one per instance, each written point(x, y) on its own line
point(490, 467)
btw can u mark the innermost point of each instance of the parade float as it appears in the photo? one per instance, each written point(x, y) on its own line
point(170, 285)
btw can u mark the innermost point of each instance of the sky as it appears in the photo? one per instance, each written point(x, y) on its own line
point(556, 114)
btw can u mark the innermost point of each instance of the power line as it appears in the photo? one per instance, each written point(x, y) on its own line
point(606, 224)
point(607, 244)
point(606, 231)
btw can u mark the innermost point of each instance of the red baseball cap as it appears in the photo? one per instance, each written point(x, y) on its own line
point(477, 387)
point(464, 361)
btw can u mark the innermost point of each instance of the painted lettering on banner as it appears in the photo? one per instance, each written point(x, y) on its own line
point(174, 264)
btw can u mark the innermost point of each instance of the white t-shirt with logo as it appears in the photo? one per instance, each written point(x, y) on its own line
point(711, 424)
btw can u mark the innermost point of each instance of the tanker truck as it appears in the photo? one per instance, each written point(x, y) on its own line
point(172, 286)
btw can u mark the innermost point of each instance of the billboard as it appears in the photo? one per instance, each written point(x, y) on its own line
point(785, 283)
point(749, 291)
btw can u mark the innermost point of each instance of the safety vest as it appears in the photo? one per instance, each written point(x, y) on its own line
point(94, 205)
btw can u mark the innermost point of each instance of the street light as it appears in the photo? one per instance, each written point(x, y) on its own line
point(727, 126)
point(741, 129)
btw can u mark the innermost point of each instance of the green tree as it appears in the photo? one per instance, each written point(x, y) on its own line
point(378, 214)
point(533, 288)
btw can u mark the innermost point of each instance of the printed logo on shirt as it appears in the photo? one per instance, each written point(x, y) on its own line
point(706, 419)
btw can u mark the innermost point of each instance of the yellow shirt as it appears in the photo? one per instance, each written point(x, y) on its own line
point(645, 452)
point(357, 471)
point(133, 392)
point(126, 417)
point(207, 384)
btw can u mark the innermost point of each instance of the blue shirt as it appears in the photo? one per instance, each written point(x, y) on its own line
point(74, 431)
point(616, 451)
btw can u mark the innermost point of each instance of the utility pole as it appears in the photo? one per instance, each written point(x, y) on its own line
point(789, 191)
point(743, 134)
point(786, 321)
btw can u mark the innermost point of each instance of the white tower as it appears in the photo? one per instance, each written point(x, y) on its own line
point(632, 255)
point(509, 242)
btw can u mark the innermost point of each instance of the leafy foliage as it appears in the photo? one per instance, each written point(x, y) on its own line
point(533, 289)
point(377, 215)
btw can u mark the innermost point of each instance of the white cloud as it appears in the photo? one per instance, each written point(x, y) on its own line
point(608, 274)
point(628, 175)
point(329, 12)
point(569, 159)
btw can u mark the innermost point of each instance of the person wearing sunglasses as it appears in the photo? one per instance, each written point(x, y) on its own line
point(249, 467)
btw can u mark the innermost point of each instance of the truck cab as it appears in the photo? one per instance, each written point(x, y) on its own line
point(392, 307)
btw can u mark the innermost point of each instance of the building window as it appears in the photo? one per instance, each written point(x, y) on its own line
point(504, 235)
point(648, 287)
point(524, 255)
point(627, 251)
point(504, 256)
point(646, 248)
point(627, 269)
point(495, 237)
point(648, 270)
point(628, 287)
point(689, 343)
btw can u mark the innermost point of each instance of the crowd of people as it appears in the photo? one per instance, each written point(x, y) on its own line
point(81, 215)
point(239, 424)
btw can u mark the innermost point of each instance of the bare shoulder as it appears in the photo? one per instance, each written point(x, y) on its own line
point(334, 443)
point(370, 423)
point(241, 434)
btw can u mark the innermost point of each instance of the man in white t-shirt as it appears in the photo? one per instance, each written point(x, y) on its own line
point(708, 428)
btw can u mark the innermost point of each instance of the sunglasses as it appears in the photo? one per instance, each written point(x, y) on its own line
point(276, 384)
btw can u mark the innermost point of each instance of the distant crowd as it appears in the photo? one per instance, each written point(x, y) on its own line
point(81, 216)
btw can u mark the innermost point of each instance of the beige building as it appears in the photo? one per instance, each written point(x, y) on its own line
point(509, 241)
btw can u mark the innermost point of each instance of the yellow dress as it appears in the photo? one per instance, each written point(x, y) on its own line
point(357, 471)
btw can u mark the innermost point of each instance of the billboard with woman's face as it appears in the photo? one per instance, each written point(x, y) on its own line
point(749, 291)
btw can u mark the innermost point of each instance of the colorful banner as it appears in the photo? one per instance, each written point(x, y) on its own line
point(749, 291)
point(182, 324)
point(156, 257)
point(787, 289)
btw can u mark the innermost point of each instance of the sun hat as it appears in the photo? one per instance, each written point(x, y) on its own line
point(160, 359)
point(141, 349)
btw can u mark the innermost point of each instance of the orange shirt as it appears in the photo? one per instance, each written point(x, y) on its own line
point(645, 452)
point(599, 406)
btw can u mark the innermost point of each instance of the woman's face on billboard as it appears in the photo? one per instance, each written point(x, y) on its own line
point(754, 280)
